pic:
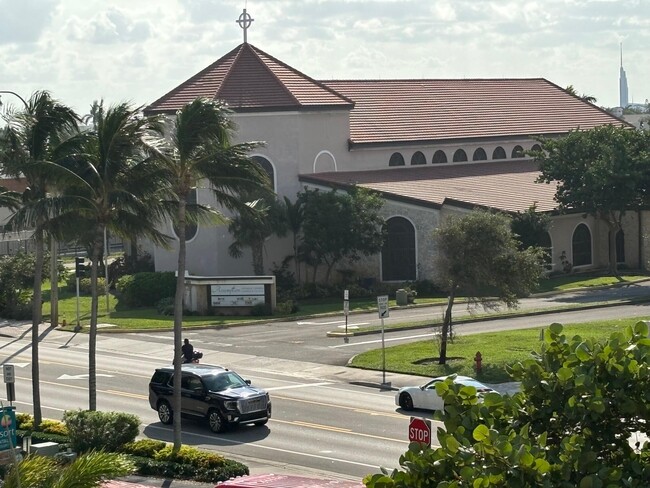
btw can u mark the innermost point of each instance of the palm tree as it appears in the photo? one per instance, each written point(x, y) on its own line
point(199, 148)
point(87, 471)
point(584, 97)
point(34, 143)
point(116, 187)
point(253, 229)
point(294, 214)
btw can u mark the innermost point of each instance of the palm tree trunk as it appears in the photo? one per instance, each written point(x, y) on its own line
point(92, 335)
point(37, 311)
point(446, 326)
point(178, 325)
point(54, 281)
point(258, 258)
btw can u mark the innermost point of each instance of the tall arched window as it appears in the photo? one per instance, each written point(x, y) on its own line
point(547, 246)
point(517, 152)
point(396, 160)
point(398, 253)
point(439, 157)
point(460, 156)
point(581, 244)
point(536, 147)
point(479, 155)
point(190, 229)
point(499, 153)
point(418, 158)
point(267, 167)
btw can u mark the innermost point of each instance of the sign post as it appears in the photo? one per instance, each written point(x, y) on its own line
point(346, 311)
point(10, 378)
point(382, 307)
point(420, 431)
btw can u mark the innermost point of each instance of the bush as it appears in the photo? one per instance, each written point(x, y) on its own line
point(165, 306)
point(261, 310)
point(287, 307)
point(84, 285)
point(38, 437)
point(90, 430)
point(146, 289)
point(25, 421)
point(166, 469)
point(128, 265)
point(143, 447)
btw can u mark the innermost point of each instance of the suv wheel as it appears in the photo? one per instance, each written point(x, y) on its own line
point(165, 413)
point(216, 421)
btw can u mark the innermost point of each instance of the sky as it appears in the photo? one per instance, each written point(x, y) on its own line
point(138, 50)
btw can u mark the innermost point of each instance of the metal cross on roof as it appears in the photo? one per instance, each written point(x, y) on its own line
point(245, 20)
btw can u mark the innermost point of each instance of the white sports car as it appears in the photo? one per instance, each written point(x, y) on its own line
point(425, 396)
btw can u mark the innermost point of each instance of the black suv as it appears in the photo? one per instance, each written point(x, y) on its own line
point(213, 393)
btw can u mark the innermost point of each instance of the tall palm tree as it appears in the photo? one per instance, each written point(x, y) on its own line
point(34, 143)
point(294, 213)
point(199, 149)
point(87, 471)
point(115, 186)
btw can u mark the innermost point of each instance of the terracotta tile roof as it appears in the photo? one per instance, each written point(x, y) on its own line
point(248, 79)
point(505, 185)
point(14, 184)
point(393, 111)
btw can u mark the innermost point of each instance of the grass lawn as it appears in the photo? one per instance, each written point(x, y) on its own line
point(497, 349)
point(148, 318)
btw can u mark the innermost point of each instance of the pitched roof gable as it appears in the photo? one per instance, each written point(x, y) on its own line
point(508, 185)
point(416, 111)
point(248, 79)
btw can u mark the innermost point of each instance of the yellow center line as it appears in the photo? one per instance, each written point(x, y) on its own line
point(333, 405)
point(99, 370)
point(338, 429)
point(85, 387)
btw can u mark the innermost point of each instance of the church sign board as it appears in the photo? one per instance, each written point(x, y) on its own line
point(236, 295)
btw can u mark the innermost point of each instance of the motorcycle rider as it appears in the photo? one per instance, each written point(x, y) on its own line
point(188, 351)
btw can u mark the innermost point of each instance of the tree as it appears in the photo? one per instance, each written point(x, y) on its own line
point(603, 172)
point(570, 425)
point(585, 98)
point(33, 144)
point(530, 227)
point(199, 148)
point(339, 226)
point(114, 184)
point(294, 215)
point(87, 471)
point(479, 256)
point(252, 229)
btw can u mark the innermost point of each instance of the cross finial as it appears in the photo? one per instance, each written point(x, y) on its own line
point(245, 20)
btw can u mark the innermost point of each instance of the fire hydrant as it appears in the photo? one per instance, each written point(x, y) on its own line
point(478, 358)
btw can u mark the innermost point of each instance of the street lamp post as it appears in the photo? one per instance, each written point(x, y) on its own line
point(16, 95)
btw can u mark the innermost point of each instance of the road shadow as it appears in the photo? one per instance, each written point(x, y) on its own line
point(197, 433)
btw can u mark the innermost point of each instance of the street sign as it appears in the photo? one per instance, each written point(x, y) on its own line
point(8, 371)
point(346, 294)
point(420, 431)
point(346, 307)
point(382, 306)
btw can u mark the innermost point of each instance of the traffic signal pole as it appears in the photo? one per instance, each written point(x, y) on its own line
point(78, 270)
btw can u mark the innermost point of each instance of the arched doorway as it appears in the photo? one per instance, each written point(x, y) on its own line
point(581, 245)
point(398, 254)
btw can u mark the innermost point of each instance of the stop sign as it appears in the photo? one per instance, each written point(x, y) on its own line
point(420, 431)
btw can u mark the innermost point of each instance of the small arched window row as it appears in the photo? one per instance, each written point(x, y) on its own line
point(460, 155)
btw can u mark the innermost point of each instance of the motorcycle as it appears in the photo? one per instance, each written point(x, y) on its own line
point(196, 355)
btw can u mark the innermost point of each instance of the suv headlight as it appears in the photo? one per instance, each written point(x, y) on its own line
point(230, 405)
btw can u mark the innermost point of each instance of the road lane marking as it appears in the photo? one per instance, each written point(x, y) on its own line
point(385, 340)
point(318, 426)
point(333, 405)
point(339, 430)
point(85, 388)
point(301, 385)
point(82, 376)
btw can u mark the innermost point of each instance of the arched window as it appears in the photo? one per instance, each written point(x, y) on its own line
point(517, 152)
point(620, 247)
point(547, 246)
point(398, 253)
point(498, 153)
point(190, 229)
point(267, 167)
point(439, 157)
point(479, 155)
point(536, 148)
point(581, 244)
point(418, 158)
point(396, 160)
point(460, 156)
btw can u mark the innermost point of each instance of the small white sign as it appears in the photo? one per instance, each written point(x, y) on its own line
point(8, 371)
point(346, 294)
point(382, 305)
point(346, 307)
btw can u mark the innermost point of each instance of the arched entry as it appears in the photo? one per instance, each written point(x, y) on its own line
point(581, 244)
point(398, 260)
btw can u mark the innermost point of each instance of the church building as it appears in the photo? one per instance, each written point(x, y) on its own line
point(430, 147)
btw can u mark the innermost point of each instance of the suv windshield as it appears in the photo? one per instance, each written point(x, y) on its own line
point(223, 381)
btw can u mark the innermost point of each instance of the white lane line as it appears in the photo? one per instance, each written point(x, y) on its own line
point(385, 340)
point(322, 323)
point(301, 385)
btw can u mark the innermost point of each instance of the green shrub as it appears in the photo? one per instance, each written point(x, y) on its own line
point(146, 289)
point(25, 421)
point(166, 469)
point(287, 307)
point(165, 306)
point(143, 447)
point(84, 285)
point(38, 437)
point(261, 310)
point(100, 430)
point(190, 455)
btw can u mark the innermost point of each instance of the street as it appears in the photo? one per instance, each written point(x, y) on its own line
point(325, 416)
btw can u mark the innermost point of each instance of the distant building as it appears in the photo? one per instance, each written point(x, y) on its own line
point(622, 82)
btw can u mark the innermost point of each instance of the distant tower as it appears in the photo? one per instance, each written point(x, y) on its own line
point(622, 83)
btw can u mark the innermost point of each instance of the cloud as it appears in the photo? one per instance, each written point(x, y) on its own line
point(23, 21)
point(108, 27)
